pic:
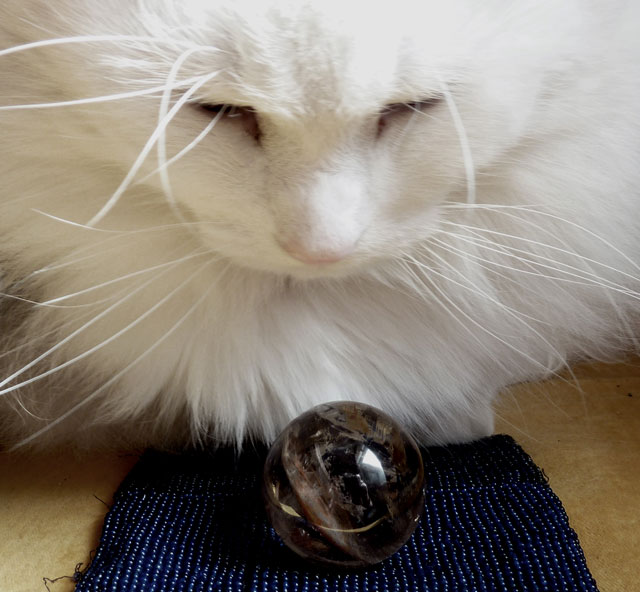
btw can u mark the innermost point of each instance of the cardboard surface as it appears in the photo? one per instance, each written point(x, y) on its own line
point(51, 517)
point(587, 441)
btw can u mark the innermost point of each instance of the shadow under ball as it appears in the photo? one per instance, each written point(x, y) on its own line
point(343, 485)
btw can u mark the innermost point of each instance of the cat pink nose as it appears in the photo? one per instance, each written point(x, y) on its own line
point(318, 256)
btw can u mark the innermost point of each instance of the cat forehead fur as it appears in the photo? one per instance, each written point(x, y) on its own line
point(290, 57)
point(352, 58)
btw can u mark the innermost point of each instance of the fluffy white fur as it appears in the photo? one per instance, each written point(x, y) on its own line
point(330, 243)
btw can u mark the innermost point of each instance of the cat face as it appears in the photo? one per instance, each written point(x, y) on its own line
point(306, 140)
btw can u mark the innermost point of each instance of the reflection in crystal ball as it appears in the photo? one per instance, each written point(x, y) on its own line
point(343, 485)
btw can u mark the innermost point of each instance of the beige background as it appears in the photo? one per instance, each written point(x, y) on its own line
point(587, 440)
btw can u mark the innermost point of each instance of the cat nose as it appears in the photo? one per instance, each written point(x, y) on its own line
point(317, 255)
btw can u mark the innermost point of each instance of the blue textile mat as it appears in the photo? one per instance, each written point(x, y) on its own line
point(191, 523)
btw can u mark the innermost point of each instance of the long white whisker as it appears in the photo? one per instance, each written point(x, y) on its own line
point(531, 265)
point(598, 281)
point(68, 263)
point(19, 298)
point(147, 148)
point(619, 313)
point(515, 314)
point(18, 400)
point(481, 261)
point(125, 277)
point(75, 224)
point(557, 280)
point(64, 306)
point(101, 99)
point(476, 323)
point(460, 254)
point(52, 303)
point(33, 340)
point(116, 234)
point(555, 217)
point(545, 245)
point(456, 205)
point(104, 343)
point(405, 265)
point(73, 334)
point(119, 374)
point(201, 136)
point(80, 39)
point(162, 113)
point(469, 167)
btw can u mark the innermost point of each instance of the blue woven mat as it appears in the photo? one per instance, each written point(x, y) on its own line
point(196, 523)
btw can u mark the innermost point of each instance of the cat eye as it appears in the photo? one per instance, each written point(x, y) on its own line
point(394, 110)
point(244, 116)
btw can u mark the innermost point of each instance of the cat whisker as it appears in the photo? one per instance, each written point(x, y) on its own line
point(76, 224)
point(405, 264)
point(39, 304)
point(83, 39)
point(52, 303)
point(125, 277)
point(19, 298)
point(148, 147)
point(424, 267)
point(201, 136)
point(66, 262)
point(595, 280)
point(420, 286)
point(100, 99)
point(30, 342)
point(473, 259)
point(84, 327)
point(162, 137)
point(541, 212)
point(116, 235)
point(534, 267)
point(20, 404)
point(122, 372)
point(508, 250)
point(467, 157)
point(456, 205)
point(515, 314)
point(491, 265)
point(472, 288)
point(544, 245)
point(586, 261)
point(495, 247)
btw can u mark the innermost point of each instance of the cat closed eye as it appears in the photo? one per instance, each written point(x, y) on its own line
point(245, 116)
point(395, 110)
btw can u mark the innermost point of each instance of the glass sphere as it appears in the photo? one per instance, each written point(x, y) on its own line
point(343, 485)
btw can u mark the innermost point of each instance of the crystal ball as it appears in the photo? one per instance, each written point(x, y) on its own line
point(343, 485)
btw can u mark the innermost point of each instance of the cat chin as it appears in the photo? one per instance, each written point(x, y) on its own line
point(298, 271)
point(326, 271)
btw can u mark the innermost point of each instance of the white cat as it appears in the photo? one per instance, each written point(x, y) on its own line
point(214, 215)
